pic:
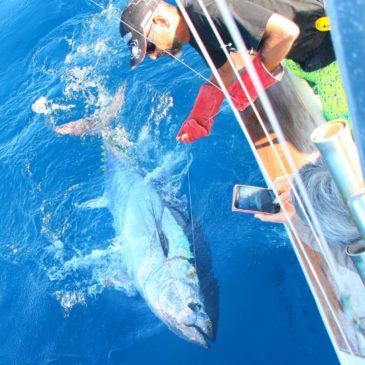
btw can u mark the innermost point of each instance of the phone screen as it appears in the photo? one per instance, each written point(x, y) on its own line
point(254, 199)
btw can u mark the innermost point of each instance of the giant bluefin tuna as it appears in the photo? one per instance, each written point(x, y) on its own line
point(158, 253)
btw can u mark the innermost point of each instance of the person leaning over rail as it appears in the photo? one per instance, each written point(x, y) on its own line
point(334, 217)
point(272, 30)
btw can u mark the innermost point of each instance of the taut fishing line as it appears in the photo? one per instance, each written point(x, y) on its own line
point(186, 149)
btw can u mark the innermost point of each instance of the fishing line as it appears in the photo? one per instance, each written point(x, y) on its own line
point(172, 271)
point(190, 202)
point(186, 149)
point(165, 51)
point(273, 120)
point(267, 105)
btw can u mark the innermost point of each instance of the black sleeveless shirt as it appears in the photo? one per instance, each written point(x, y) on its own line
point(313, 49)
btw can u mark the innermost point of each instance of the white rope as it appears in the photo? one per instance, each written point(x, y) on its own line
point(190, 204)
point(272, 118)
point(274, 122)
point(224, 89)
point(276, 126)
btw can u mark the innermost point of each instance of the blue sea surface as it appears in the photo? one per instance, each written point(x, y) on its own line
point(63, 60)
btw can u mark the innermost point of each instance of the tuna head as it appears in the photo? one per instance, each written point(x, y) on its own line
point(180, 307)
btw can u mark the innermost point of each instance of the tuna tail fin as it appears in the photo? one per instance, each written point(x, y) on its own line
point(79, 127)
point(99, 121)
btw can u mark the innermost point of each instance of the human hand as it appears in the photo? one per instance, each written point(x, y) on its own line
point(282, 186)
point(199, 123)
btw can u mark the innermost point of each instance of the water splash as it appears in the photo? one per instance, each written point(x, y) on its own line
point(82, 84)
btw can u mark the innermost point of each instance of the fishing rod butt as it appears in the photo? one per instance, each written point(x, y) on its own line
point(339, 152)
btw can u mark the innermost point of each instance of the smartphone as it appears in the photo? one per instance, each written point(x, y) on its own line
point(252, 199)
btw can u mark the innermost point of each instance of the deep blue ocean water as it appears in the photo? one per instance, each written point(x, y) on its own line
point(63, 60)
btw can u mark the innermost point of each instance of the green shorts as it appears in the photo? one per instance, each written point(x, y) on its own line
point(327, 83)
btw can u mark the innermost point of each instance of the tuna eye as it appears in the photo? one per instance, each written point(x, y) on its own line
point(195, 307)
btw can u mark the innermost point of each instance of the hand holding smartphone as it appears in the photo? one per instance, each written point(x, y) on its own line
point(253, 199)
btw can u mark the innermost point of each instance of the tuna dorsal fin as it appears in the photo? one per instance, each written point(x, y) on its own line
point(175, 235)
point(80, 127)
point(163, 239)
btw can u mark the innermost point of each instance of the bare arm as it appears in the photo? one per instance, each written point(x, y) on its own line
point(279, 36)
point(226, 72)
point(282, 185)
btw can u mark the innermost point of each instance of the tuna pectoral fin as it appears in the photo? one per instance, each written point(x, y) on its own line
point(79, 127)
point(175, 235)
point(122, 281)
point(97, 203)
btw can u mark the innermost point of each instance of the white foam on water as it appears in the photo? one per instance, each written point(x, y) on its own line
point(68, 299)
point(118, 137)
point(44, 106)
point(87, 274)
point(40, 106)
point(160, 108)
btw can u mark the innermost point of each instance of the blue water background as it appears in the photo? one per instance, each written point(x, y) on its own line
point(62, 60)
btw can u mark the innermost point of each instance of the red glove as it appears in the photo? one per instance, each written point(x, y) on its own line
point(267, 79)
point(199, 123)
